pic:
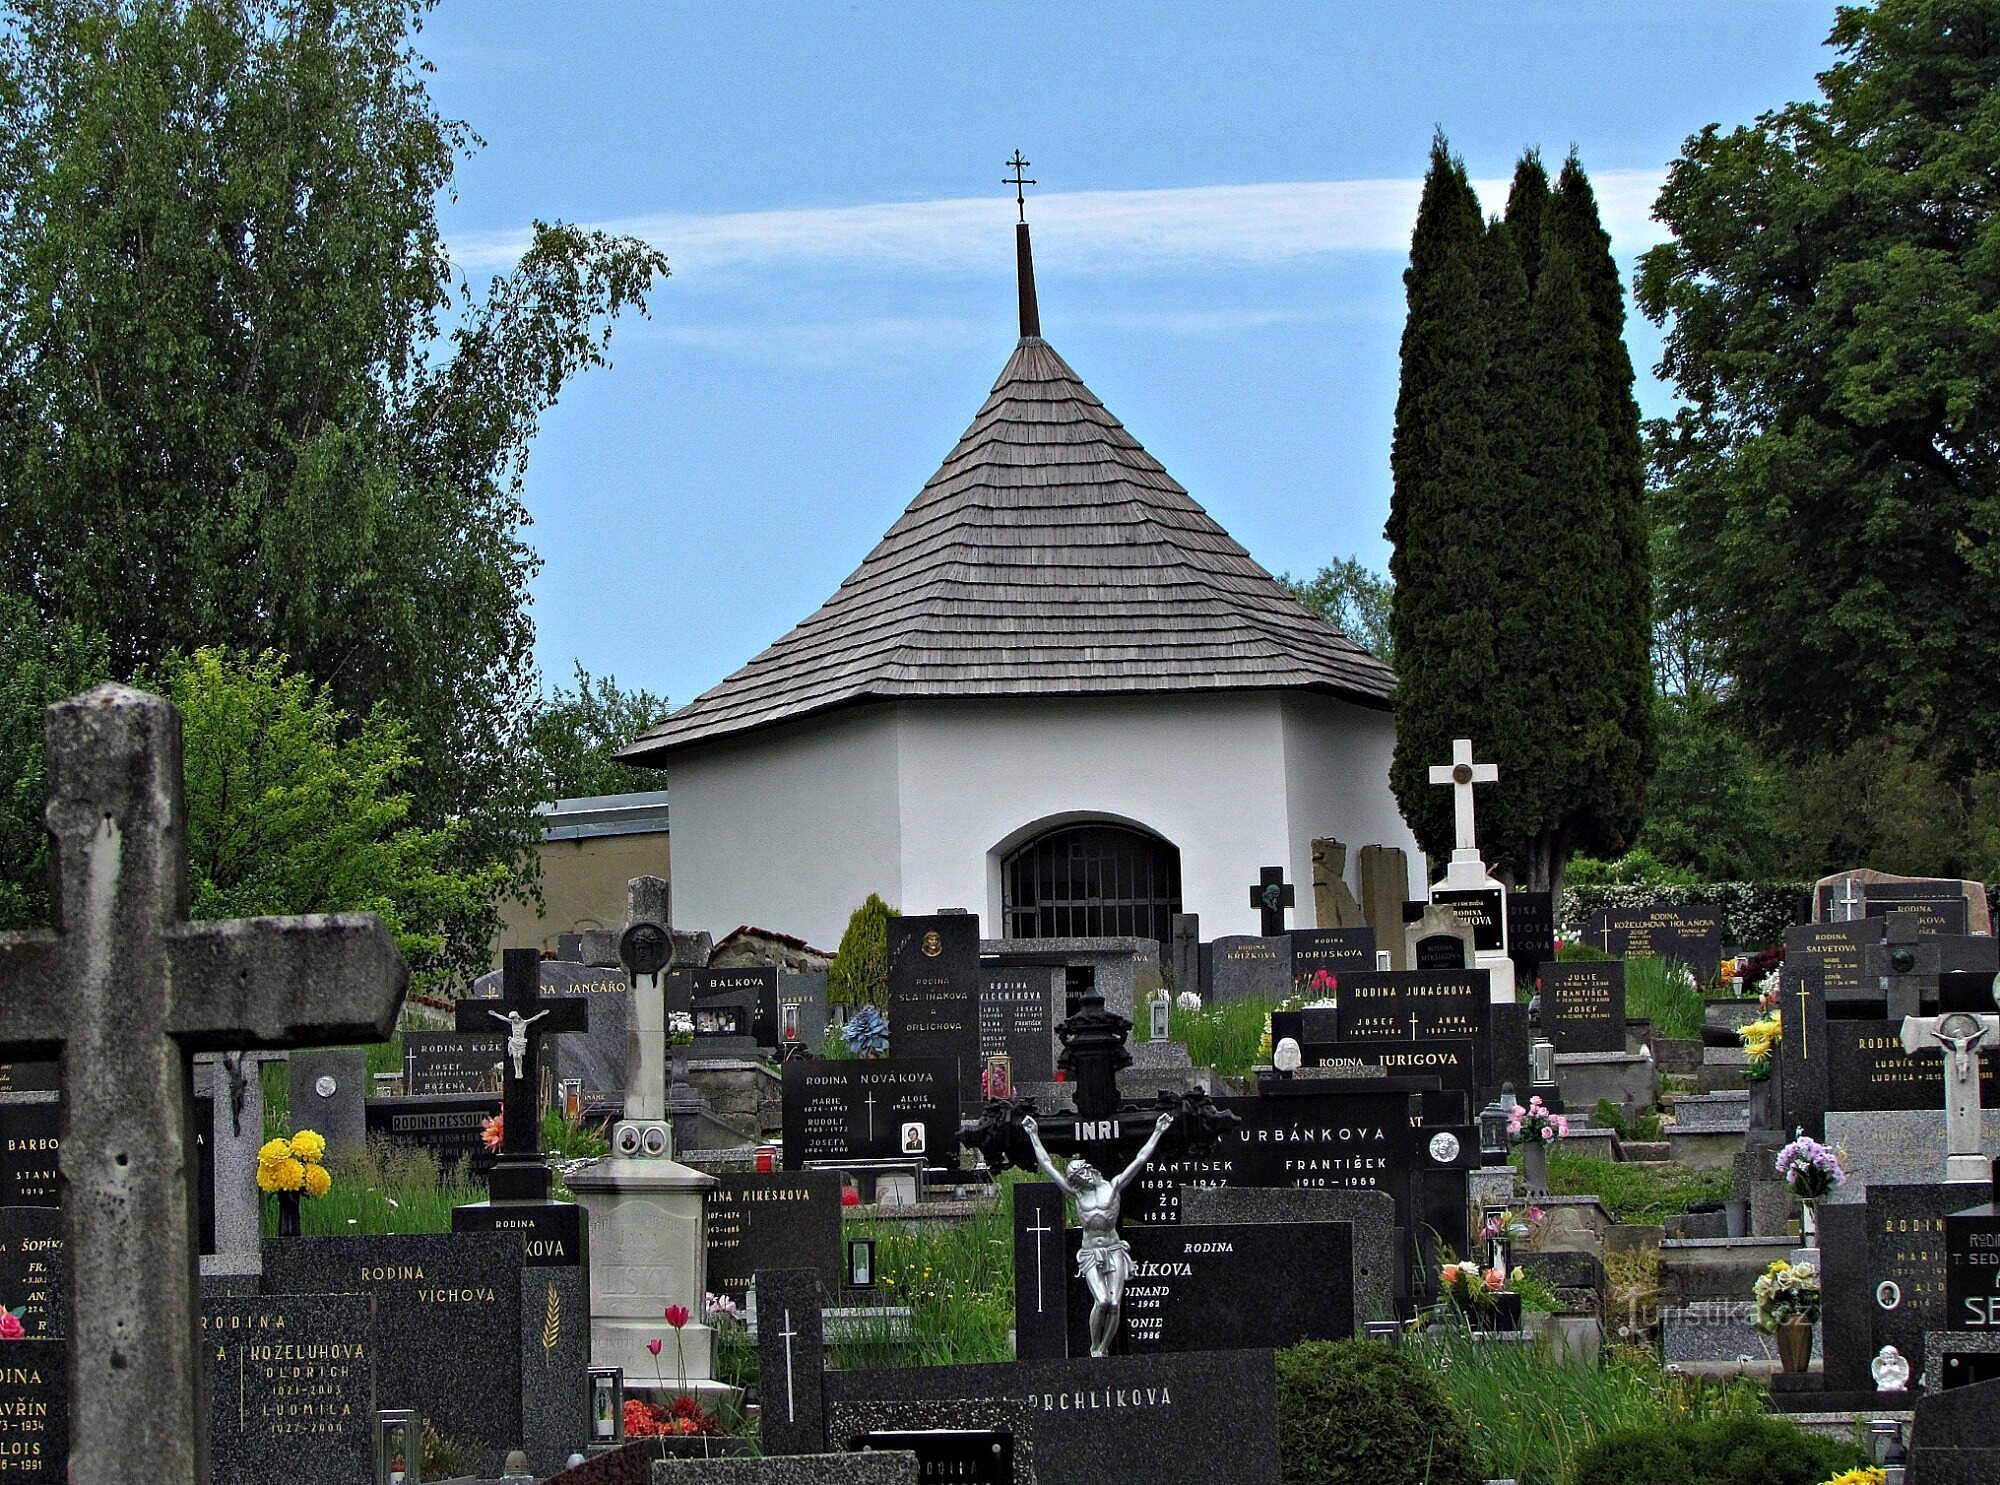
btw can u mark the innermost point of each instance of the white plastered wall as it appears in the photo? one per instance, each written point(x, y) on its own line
point(1337, 785)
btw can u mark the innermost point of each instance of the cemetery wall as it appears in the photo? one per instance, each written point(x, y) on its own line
point(583, 886)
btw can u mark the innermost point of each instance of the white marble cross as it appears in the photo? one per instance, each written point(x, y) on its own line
point(1040, 1226)
point(1962, 1036)
point(1850, 901)
point(1462, 773)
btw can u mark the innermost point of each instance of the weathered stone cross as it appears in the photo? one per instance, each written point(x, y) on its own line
point(520, 1174)
point(1462, 773)
point(127, 991)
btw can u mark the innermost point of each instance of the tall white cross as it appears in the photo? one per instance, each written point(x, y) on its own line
point(1462, 773)
point(1041, 1225)
point(791, 1412)
point(1962, 1036)
point(1850, 901)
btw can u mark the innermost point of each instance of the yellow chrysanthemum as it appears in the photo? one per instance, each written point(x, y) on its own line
point(318, 1181)
point(286, 1175)
point(308, 1146)
point(1867, 1474)
point(273, 1152)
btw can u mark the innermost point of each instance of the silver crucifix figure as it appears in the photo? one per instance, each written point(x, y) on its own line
point(1962, 1036)
point(517, 1037)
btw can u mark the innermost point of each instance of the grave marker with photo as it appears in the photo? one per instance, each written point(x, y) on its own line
point(934, 981)
point(871, 1109)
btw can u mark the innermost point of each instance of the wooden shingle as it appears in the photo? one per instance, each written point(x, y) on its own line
point(1050, 555)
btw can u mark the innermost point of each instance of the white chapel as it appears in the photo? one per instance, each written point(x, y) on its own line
point(1056, 693)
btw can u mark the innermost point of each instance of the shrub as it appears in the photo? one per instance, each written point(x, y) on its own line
point(1753, 913)
point(1719, 1451)
point(1360, 1410)
point(859, 974)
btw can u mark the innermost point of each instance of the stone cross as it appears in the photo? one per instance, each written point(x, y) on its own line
point(1905, 965)
point(521, 1174)
point(646, 949)
point(1462, 773)
point(1272, 895)
point(1962, 1036)
point(126, 991)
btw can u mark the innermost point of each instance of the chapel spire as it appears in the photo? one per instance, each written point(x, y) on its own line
point(1024, 254)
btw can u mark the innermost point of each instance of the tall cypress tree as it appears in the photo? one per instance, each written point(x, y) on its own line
point(1439, 517)
point(1527, 203)
point(1617, 804)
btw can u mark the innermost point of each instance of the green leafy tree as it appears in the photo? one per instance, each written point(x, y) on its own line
point(243, 400)
point(1352, 598)
point(1831, 298)
point(294, 807)
point(575, 732)
point(859, 974)
point(39, 664)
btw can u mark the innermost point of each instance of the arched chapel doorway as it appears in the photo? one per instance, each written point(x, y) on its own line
point(1091, 881)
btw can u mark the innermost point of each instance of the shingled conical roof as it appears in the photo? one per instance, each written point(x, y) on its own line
point(1050, 555)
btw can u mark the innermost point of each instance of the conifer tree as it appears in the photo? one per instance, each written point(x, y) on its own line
point(1527, 204)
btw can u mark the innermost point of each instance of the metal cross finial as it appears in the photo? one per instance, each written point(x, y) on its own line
point(1017, 165)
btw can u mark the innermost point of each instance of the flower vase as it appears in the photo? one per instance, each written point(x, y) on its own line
point(1795, 1345)
point(288, 1214)
point(1808, 1222)
point(1535, 1166)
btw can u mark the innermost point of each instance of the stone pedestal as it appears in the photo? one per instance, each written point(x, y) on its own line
point(648, 1251)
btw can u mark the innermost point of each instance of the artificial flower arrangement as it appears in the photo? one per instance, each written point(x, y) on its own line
point(1760, 1039)
point(1471, 1288)
point(1534, 1123)
point(1785, 1291)
point(1866, 1474)
point(493, 1132)
point(1511, 1224)
point(866, 1033)
point(1810, 1168)
point(11, 1328)
point(680, 1028)
point(295, 1165)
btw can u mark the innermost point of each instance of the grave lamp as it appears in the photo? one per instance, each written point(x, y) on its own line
point(1493, 1121)
point(1542, 1063)
point(607, 1407)
point(399, 1447)
point(1885, 1441)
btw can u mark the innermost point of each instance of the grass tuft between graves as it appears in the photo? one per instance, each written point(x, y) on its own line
point(1225, 1037)
point(1529, 1420)
point(386, 1188)
point(1664, 992)
point(1642, 1193)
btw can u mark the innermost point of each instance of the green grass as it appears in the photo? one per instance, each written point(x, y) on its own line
point(389, 1188)
point(957, 1278)
point(1528, 1418)
point(1646, 1195)
point(1663, 992)
point(1224, 1037)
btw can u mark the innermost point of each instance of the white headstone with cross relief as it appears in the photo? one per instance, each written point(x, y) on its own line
point(1467, 871)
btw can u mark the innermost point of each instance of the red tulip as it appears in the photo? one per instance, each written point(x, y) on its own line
point(677, 1316)
point(653, 1346)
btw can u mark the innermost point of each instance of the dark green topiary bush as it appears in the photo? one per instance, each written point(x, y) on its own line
point(1360, 1411)
point(1717, 1451)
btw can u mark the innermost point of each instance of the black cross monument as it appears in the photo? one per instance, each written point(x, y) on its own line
point(525, 1016)
point(1272, 895)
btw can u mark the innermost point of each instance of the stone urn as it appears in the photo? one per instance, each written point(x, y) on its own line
point(1795, 1345)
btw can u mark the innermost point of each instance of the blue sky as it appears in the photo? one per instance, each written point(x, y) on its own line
point(1221, 223)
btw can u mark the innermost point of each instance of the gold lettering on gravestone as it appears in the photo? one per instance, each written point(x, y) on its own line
point(23, 1423)
point(1916, 1256)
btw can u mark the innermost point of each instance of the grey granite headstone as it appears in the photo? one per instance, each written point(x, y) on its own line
point(887, 1468)
point(34, 1409)
point(791, 1346)
point(1727, 1112)
point(330, 1096)
point(1713, 1330)
point(291, 1388)
point(1953, 1441)
point(31, 1268)
point(235, 1104)
point(1906, 1146)
point(1370, 1214)
point(1249, 967)
point(448, 1321)
point(1194, 1417)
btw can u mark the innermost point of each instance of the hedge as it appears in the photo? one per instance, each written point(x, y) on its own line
point(1754, 914)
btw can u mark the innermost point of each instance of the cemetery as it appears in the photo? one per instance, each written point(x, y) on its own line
point(1282, 1032)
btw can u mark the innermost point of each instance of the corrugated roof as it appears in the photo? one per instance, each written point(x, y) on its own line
point(1050, 555)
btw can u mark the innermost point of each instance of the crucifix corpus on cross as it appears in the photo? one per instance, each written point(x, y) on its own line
point(126, 992)
point(1962, 1036)
point(521, 1174)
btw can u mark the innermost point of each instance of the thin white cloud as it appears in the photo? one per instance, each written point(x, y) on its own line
point(1082, 231)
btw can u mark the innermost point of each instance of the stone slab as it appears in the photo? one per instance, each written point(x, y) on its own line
point(291, 1388)
point(32, 1269)
point(791, 1349)
point(1371, 1216)
point(896, 1467)
point(34, 1409)
point(1906, 1146)
point(779, 1220)
point(329, 1089)
point(1249, 966)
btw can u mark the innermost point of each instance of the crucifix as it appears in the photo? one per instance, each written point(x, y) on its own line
point(1962, 1036)
point(1272, 895)
point(125, 990)
point(1462, 773)
point(521, 1174)
point(1017, 165)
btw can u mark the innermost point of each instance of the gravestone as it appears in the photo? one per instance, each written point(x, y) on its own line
point(1249, 967)
point(1583, 1005)
point(232, 1219)
point(779, 1219)
point(1385, 883)
point(1689, 932)
point(1413, 1005)
point(1018, 1010)
point(125, 993)
point(451, 1127)
point(38, 1076)
point(1437, 951)
point(292, 1388)
point(1041, 1272)
point(447, 1321)
point(1321, 955)
point(524, 1015)
point(330, 1096)
point(1484, 912)
point(1531, 932)
point(1217, 1288)
point(802, 1010)
point(1334, 905)
point(593, 1056)
point(934, 993)
point(1376, 1242)
point(31, 1268)
point(871, 1109)
point(439, 1063)
point(1194, 1418)
point(30, 1145)
point(791, 1346)
point(1864, 892)
point(1900, 1282)
point(1940, 907)
point(1972, 1268)
point(35, 1408)
point(1184, 954)
point(754, 986)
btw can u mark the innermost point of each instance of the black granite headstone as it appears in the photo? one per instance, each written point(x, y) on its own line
point(791, 1341)
point(1451, 1060)
point(1583, 1004)
point(1221, 1288)
point(1439, 951)
point(965, 1456)
point(870, 1109)
point(1017, 1016)
point(1868, 1069)
point(1482, 910)
point(291, 1388)
point(30, 1077)
point(439, 1063)
point(1321, 955)
point(1041, 1272)
point(783, 1219)
point(450, 1126)
point(725, 986)
point(34, 1409)
point(31, 1268)
point(1689, 932)
point(934, 993)
point(1413, 1005)
point(1531, 932)
point(1972, 1269)
point(1195, 1418)
point(30, 1144)
point(1940, 905)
